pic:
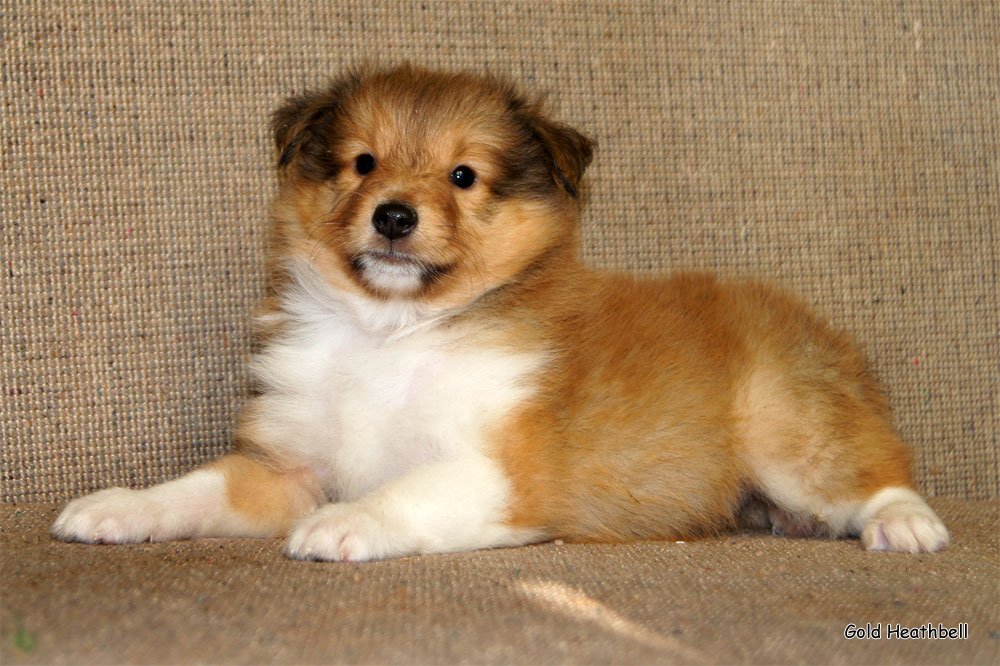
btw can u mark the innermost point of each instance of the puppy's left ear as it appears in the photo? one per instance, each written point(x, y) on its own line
point(569, 151)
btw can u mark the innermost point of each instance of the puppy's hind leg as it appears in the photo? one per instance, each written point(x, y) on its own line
point(234, 496)
point(831, 464)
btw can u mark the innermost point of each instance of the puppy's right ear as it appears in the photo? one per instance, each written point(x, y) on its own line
point(290, 124)
point(305, 128)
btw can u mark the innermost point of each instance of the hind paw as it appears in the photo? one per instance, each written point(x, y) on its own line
point(906, 525)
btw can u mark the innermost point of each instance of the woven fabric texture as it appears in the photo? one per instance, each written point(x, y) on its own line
point(741, 599)
point(847, 150)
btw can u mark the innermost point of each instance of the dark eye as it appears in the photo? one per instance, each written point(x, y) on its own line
point(364, 164)
point(463, 177)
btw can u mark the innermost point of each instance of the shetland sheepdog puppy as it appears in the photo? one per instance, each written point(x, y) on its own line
point(439, 372)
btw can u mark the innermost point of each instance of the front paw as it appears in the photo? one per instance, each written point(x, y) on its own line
point(114, 515)
point(342, 533)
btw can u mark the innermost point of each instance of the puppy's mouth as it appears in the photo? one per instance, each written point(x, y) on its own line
point(393, 258)
point(394, 271)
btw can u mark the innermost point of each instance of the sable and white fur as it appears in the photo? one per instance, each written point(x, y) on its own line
point(440, 373)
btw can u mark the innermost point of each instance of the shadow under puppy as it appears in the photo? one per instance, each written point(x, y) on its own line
point(440, 372)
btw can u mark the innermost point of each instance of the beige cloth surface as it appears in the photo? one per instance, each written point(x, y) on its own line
point(742, 598)
point(848, 150)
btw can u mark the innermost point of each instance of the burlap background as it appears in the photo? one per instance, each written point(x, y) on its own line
point(847, 149)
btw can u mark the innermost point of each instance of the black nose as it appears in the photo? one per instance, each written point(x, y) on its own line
point(394, 220)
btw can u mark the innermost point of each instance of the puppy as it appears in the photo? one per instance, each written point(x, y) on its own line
point(439, 372)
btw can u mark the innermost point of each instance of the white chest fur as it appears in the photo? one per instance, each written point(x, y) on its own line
point(363, 395)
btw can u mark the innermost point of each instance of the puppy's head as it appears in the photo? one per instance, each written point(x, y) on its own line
point(412, 184)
